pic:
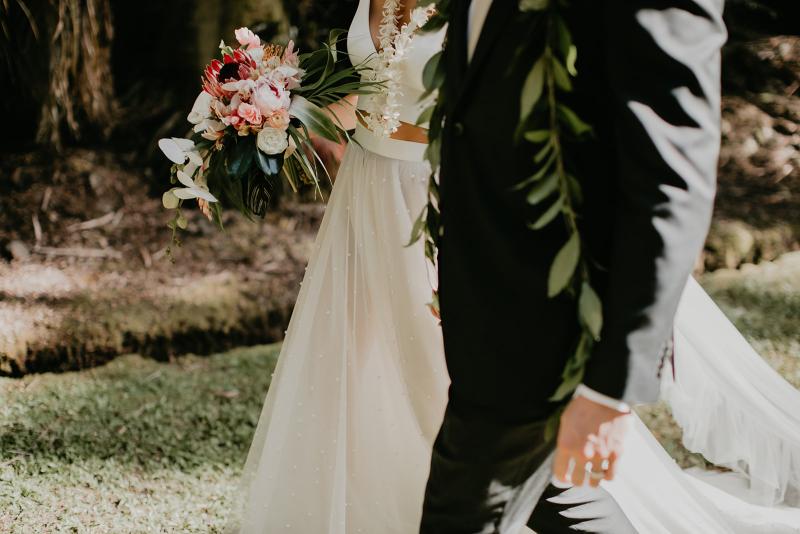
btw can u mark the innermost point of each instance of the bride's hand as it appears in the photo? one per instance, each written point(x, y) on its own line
point(589, 442)
point(331, 153)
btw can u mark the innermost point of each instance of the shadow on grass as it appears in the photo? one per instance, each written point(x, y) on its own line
point(196, 413)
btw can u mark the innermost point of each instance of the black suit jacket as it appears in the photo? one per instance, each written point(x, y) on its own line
point(648, 81)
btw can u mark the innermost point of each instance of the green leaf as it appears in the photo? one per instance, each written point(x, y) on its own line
point(432, 74)
point(532, 89)
point(538, 136)
point(543, 189)
point(240, 156)
point(572, 57)
point(426, 115)
point(591, 310)
point(561, 76)
point(533, 5)
point(572, 120)
point(564, 36)
point(169, 200)
point(182, 222)
point(541, 173)
point(544, 151)
point(575, 190)
point(270, 165)
point(564, 266)
point(574, 370)
point(419, 226)
point(549, 215)
point(314, 118)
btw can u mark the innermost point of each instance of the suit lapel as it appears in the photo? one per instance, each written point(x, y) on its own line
point(497, 18)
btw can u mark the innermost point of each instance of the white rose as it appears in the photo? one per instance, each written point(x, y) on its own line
point(272, 141)
point(271, 97)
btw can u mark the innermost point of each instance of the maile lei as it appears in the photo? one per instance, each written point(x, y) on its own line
point(382, 107)
point(545, 122)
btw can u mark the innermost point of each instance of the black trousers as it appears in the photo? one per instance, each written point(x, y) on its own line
point(478, 467)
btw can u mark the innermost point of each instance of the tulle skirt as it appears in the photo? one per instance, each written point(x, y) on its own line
point(343, 444)
point(344, 440)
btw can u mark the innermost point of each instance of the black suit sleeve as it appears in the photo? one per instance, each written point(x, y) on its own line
point(663, 65)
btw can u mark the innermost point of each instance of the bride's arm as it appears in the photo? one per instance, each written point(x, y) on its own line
point(343, 114)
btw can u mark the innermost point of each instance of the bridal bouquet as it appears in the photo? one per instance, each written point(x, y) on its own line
point(252, 126)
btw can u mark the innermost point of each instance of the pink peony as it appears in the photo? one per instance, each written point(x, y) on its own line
point(290, 56)
point(271, 97)
point(250, 113)
point(247, 38)
point(279, 119)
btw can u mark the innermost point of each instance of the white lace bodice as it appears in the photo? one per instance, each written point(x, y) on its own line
point(362, 48)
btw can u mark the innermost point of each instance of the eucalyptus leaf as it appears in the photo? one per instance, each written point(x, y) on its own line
point(532, 89)
point(169, 200)
point(591, 310)
point(564, 266)
point(549, 215)
point(543, 189)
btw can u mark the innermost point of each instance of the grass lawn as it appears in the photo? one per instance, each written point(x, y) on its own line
point(142, 446)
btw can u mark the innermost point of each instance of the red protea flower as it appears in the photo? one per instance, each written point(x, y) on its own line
point(211, 82)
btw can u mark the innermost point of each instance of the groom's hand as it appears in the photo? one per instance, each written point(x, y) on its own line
point(589, 442)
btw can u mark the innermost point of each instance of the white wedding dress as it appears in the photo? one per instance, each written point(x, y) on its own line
point(343, 444)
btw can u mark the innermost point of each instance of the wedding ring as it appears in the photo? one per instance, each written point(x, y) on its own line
point(597, 475)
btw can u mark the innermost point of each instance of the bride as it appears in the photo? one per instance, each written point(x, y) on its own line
point(344, 441)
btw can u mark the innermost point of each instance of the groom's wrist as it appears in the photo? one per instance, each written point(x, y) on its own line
point(595, 396)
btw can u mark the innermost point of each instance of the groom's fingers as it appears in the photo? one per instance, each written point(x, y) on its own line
point(579, 472)
point(561, 465)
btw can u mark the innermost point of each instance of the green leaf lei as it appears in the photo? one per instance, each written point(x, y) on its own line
point(545, 122)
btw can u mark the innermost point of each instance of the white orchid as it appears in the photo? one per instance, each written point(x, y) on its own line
point(179, 150)
point(201, 110)
point(191, 188)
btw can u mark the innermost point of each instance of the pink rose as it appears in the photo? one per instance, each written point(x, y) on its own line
point(247, 38)
point(250, 113)
point(271, 97)
point(279, 119)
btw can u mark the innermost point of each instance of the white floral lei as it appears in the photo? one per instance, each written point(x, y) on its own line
point(383, 115)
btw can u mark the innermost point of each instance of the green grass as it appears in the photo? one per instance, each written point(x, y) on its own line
point(141, 446)
point(134, 446)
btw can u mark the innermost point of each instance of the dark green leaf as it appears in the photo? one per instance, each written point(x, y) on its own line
point(572, 120)
point(543, 189)
point(538, 136)
point(591, 310)
point(533, 5)
point(433, 74)
point(419, 226)
point(564, 266)
point(426, 115)
point(549, 215)
point(314, 118)
point(564, 36)
point(270, 165)
point(532, 89)
point(561, 76)
point(544, 151)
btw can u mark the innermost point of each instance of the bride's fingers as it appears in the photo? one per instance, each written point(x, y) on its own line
point(597, 471)
point(610, 468)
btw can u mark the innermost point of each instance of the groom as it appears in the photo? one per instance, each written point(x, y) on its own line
point(648, 82)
